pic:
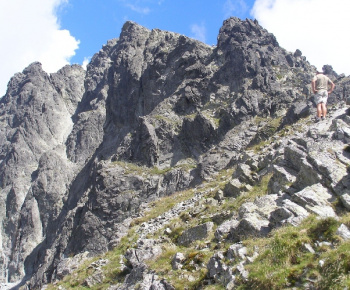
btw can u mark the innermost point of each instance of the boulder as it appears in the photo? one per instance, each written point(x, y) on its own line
point(196, 233)
point(68, 265)
point(177, 261)
point(219, 271)
point(97, 275)
point(316, 199)
point(252, 225)
point(146, 249)
point(343, 232)
point(345, 199)
point(245, 174)
point(282, 178)
point(236, 251)
point(223, 229)
point(288, 212)
point(234, 188)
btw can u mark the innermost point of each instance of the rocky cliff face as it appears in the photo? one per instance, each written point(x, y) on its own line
point(82, 152)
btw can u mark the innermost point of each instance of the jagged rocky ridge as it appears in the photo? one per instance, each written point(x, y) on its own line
point(82, 152)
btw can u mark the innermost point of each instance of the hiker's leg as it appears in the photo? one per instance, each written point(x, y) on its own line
point(324, 109)
point(319, 110)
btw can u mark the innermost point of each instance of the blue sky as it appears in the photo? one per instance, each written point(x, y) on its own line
point(60, 32)
point(93, 22)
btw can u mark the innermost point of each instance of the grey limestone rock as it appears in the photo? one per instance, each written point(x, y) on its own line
point(177, 261)
point(316, 199)
point(343, 232)
point(90, 114)
point(282, 178)
point(245, 174)
point(233, 188)
point(309, 248)
point(215, 265)
point(223, 229)
point(345, 198)
point(298, 110)
point(146, 249)
point(97, 274)
point(236, 251)
point(141, 278)
point(199, 232)
point(242, 271)
point(288, 212)
point(68, 265)
point(36, 121)
point(219, 271)
point(252, 224)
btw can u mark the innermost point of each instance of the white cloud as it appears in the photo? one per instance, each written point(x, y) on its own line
point(139, 6)
point(236, 8)
point(319, 28)
point(199, 32)
point(139, 9)
point(29, 31)
point(86, 61)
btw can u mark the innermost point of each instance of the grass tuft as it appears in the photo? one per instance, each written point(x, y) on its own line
point(285, 262)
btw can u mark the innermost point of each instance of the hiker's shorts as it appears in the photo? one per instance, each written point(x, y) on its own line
point(321, 97)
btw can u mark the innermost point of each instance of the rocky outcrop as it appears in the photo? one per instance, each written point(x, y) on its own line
point(292, 198)
point(83, 152)
point(35, 123)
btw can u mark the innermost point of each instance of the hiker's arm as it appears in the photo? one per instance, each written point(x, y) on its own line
point(332, 88)
point(313, 86)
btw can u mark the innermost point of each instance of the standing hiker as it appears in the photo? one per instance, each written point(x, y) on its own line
point(319, 85)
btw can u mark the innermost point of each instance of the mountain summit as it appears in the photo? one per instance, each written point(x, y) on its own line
point(85, 154)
